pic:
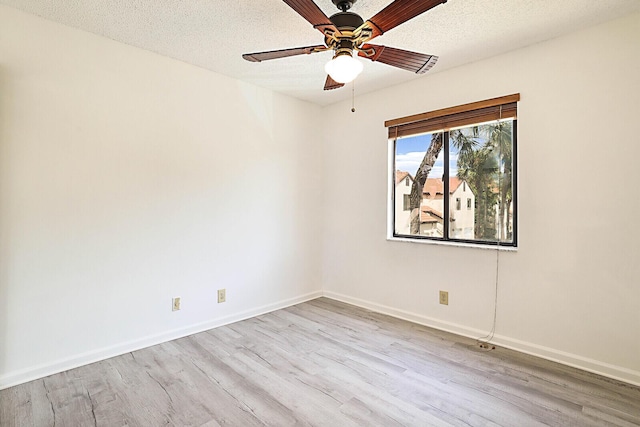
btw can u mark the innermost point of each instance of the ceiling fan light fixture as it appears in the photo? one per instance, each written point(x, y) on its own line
point(343, 68)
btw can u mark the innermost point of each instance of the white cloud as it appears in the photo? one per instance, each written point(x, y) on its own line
point(410, 162)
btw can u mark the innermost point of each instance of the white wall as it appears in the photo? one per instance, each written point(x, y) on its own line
point(572, 290)
point(127, 179)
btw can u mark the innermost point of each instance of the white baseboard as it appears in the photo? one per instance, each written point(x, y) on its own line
point(14, 378)
point(597, 367)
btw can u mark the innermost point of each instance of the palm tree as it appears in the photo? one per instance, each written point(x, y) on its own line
point(499, 140)
point(465, 142)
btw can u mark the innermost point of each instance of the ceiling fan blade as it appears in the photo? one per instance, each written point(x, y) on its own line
point(331, 84)
point(418, 63)
point(398, 12)
point(283, 53)
point(312, 13)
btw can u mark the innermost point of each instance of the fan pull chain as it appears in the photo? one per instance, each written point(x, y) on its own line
point(353, 96)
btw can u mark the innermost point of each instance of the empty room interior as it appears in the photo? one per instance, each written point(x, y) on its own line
point(190, 236)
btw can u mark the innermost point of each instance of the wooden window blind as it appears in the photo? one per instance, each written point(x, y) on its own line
point(504, 107)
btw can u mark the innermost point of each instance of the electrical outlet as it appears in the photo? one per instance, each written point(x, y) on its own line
point(444, 297)
point(175, 303)
point(222, 295)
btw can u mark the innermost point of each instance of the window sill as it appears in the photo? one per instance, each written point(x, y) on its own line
point(453, 243)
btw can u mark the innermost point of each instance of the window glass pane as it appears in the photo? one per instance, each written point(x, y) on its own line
point(420, 158)
point(480, 166)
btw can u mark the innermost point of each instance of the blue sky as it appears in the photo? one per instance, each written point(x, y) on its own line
point(410, 151)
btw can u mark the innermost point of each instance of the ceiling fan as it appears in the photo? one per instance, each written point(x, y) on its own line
point(346, 32)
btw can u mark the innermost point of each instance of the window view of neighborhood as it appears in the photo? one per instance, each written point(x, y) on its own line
point(479, 201)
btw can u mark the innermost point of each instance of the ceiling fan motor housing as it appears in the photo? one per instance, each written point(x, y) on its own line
point(346, 21)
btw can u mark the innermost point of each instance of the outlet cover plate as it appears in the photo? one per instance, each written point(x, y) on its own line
point(444, 297)
point(222, 295)
point(175, 304)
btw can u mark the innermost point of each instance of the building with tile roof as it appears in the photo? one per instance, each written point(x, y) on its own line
point(461, 205)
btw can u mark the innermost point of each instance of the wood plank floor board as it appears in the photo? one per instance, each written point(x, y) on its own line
point(480, 383)
point(307, 402)
point(365, 415)
point(440, 396)
point(388, 400)
point(186, 387)
point(240, 387)
point(322, 363)
point(275, 372)
point(114, 395)
point(128, 395)
point(569, 383)
point(32, 404)
point(471, 407)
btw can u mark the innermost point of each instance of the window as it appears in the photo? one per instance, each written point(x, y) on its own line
point(464, 152)
point(406, 203)
point(407, 181)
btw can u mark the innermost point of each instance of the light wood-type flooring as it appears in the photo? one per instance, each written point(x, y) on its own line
point(321, 363)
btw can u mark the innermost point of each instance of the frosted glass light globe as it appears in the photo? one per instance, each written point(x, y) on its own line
point(343, 68)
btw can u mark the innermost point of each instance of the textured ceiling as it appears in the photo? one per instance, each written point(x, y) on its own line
point(213, 34)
